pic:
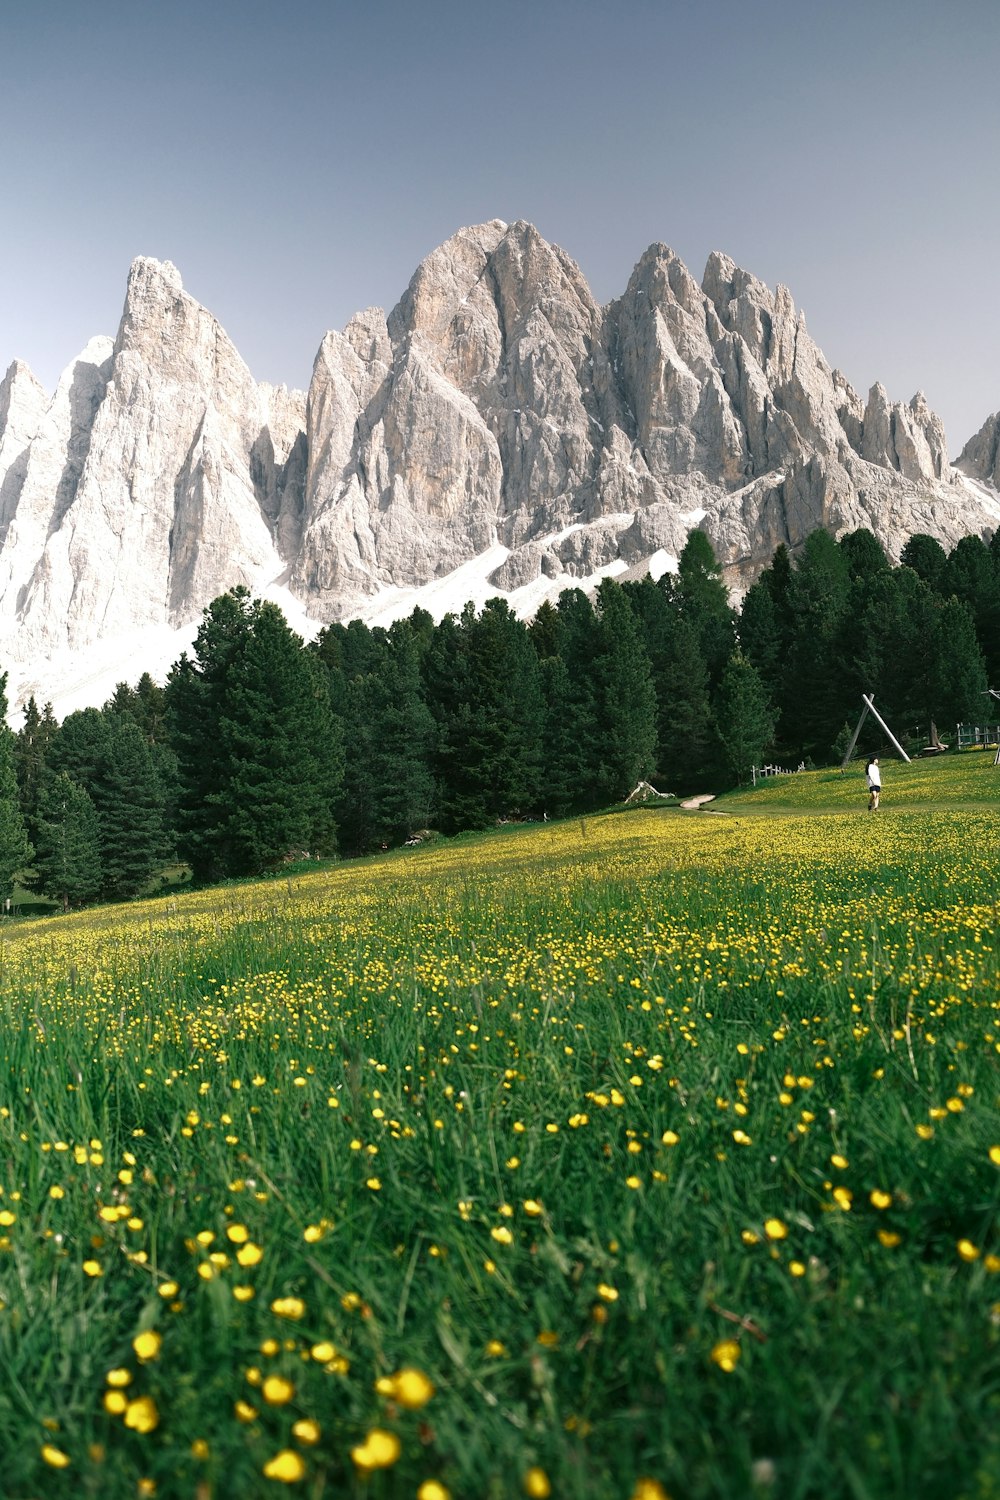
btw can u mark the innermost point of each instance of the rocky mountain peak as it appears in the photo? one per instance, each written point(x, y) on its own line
point(498, 419)
point(980, 458)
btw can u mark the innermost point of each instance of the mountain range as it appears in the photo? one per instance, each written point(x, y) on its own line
point(498, 431)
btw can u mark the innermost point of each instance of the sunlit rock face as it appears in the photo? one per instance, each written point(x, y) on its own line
point(980, 458)
point(497, 410)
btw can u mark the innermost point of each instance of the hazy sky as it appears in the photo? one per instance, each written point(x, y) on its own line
point(296, 159)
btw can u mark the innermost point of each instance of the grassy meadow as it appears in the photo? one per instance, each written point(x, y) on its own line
point(650, 1154)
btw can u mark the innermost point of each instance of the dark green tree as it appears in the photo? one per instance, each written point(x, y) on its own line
point(704, 603)
point(928, 559)
point(490, 717)
point(544, 630)
point(259, 751)
point(15, 847)
point(959, 672)
point(812, 710)
point(972, 576)
point(566, 640)
point(80, 746)
point(761, 637)
point(626, 700)
point(128, 799)
point(33, 744)
point(279, 749)
point(388, 788)
point(746, 723)
point(686, 744)
point(864, 553)
point(67, 862)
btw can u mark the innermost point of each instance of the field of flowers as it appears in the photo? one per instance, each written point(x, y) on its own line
point(642, 1155)
point(966, 779)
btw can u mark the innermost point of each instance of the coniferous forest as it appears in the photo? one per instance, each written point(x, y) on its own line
point(260, 748)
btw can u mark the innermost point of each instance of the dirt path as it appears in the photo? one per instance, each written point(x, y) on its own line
point(696, 802)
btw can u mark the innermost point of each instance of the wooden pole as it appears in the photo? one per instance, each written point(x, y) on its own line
point(885, 727)
point(854, 736)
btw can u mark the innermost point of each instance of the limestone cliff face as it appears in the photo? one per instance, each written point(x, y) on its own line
point(158, 469)
point(496, 410)
point(498, 401)
point(980, 458)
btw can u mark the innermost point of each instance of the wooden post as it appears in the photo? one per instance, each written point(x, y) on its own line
point(854, 736)
point(885, 726)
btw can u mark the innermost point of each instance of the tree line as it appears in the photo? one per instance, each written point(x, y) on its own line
point(260, 747)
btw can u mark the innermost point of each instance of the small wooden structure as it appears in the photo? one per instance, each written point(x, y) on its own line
point(870, 708)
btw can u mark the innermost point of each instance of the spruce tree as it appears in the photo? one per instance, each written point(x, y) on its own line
point(704, 602)
point(80, 745)
point(565, 773)
point(761, 637)
point(128, 799)
point(928, 559)
point(864, 553)
point(626, 701)
point(278, 747)
point(15, 847)
point(67, 863)
point(579, 648)
point(746, 723)
point(388, 785)
point(195, 698)
point(815, 689)
point(685, 727)
point(259, 752)
point(33, 745)
point(959, 672)
point(406, 737)
point(484, 691)
point(972, 577)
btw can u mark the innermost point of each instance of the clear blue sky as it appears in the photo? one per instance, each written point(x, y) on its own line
point(296, 159)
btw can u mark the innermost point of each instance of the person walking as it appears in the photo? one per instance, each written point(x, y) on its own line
point(874, 783)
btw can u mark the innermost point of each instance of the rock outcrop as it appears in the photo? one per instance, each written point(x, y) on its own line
point(980, 458)
point(498, 412)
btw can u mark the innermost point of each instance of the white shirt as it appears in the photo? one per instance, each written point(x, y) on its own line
point(874, 775)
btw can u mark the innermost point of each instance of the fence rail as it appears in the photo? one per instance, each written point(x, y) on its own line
point(977, 736)
point(758, 773)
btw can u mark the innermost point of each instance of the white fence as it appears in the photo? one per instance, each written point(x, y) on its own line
point(978, 735)
point(758, 773)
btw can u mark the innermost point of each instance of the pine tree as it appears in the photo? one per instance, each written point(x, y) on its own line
point(33, 745)
point(864, 553)
point(761, 637)
point(815, 688)
point(484, 691)
point(15, 848)
point(686, 748)
point(746, 724)
point(388, 786)
point(278, 747)
point(406, 737)
point(704, 602)
point(80, 745)
point(544, 630)
point(577, 698)
point(626, 701)
point(565, 772)
point(67, 863)
point(972, 577)
point(128, 799)
point(928, 559)
point(959, 673)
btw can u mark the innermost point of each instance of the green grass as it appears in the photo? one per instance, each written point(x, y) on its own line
point(969, 779)
point(554, 1116)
